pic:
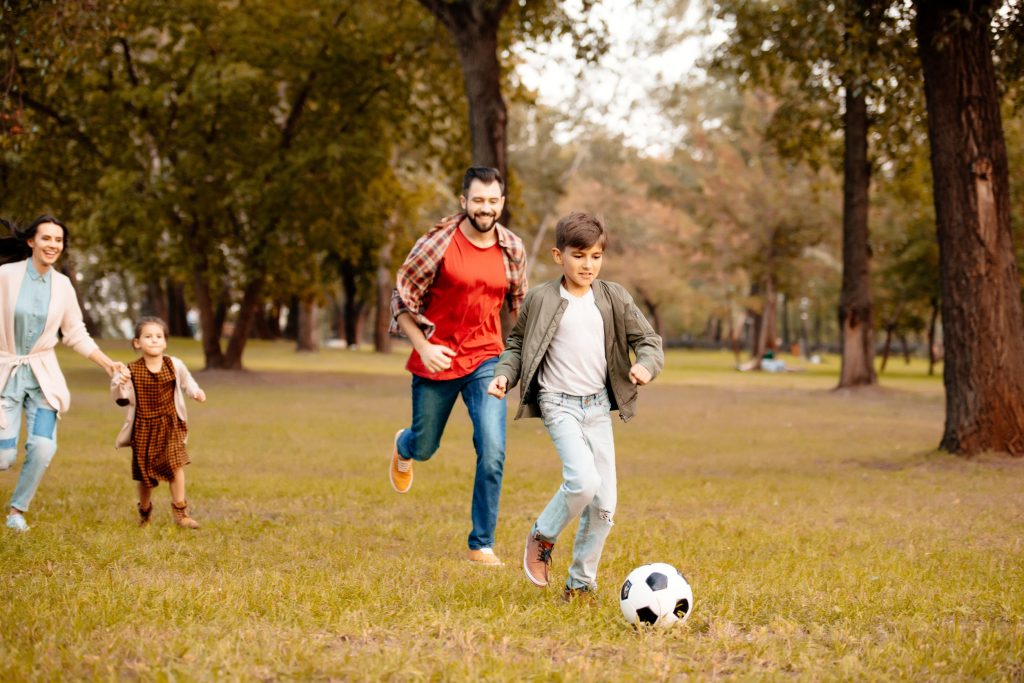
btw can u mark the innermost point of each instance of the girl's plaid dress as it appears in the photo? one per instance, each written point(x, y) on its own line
point(158, 436)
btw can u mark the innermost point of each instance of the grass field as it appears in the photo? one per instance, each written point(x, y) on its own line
point(824, 537)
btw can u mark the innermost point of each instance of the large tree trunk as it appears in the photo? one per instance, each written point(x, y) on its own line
point(856, 333)
point(473, 25)
point(209, 329)
point(982, 324)
point(177, 309)
point(353, 307)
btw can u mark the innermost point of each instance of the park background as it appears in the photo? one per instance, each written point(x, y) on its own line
point(254, 172)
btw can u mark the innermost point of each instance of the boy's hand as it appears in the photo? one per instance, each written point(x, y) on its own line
point(639, 375)
point(200, 396)
point(498, 386)
point(436, 357)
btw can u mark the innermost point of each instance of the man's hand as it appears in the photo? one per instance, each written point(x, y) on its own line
point(639, 375)
point(436, 357)
point(498, 386)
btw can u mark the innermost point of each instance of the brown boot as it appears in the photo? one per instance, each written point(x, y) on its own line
point(144, 514)
point(181, 518)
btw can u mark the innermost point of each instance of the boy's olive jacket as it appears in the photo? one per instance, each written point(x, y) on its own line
point(625, 328)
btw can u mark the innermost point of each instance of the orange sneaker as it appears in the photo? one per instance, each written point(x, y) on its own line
point(485, 557)
point(400, 470)
point(537, 559)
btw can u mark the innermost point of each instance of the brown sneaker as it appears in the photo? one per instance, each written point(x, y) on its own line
point(400, 471)
point(537, 558)
point(485, 557)
point(585, 595)
point(181, 517)
point(144, 514)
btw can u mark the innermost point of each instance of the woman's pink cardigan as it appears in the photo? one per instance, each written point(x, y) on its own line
point(64, 315)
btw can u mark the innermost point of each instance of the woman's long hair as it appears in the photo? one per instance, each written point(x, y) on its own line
point(14, 244)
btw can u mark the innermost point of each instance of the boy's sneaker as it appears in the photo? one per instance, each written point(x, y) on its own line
point(484, 556)
point(537, 558)
point(17, 522)
point(400, 470)
point(584, 594)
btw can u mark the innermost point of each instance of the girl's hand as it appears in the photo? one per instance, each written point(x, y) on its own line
point(122, 372)
point(200, 396)
point(639, 375)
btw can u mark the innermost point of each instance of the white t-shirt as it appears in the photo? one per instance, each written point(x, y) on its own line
point(575, 363)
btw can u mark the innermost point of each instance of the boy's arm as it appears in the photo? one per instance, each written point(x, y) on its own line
point(510, 362)
point(644, 341)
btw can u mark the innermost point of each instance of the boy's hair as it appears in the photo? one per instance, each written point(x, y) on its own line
point(580, 230)
point(485, 175)
point(150, 320)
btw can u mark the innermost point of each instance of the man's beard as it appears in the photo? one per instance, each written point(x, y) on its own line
point(479, 228)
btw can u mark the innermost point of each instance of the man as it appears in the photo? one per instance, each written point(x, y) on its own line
point(448, 302)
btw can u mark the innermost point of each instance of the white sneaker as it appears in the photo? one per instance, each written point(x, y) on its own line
point(17, 522)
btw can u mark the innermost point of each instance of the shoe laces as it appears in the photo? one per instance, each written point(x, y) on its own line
point(403, 465)
point(545, 551)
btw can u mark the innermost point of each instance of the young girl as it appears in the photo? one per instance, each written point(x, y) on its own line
point(155, 426)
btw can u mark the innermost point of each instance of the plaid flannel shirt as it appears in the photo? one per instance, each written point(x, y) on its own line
point(412, 286)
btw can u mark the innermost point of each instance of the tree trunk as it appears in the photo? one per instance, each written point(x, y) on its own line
point(887, 347)
point(856, 333)
point(473, 25)
point(932, 324)
point(385, 285)
point(155, 300)
point(209, 329)
point(252, 298)
point(353, 305)
point(308, 325)
point(177, 309)
point(291, 323)
point(982, 323)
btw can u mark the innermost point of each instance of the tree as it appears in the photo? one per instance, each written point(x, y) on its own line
point(982, 316)
point(835, 67)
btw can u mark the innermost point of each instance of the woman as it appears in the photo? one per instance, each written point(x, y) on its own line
point(35, 302)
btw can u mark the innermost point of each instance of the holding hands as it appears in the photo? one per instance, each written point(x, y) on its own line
point(200, 396)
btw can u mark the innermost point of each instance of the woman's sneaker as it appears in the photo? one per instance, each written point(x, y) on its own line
point(17, 522)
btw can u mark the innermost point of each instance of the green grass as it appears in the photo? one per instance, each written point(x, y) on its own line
point(824, 537)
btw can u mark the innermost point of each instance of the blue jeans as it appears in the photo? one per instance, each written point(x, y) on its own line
point(432, 403)
point(40, 446)
point(581, 429)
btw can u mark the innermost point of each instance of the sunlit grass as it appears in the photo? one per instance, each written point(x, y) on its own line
point(824, 536)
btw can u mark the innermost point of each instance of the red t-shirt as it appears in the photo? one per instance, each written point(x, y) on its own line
point(465, 304)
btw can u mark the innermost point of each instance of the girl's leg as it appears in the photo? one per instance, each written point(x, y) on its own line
point(178, 486)
point(179, 505)
point(145, 503)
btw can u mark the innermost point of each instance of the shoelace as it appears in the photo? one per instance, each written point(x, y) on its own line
point(545, 552)
point(403, 465)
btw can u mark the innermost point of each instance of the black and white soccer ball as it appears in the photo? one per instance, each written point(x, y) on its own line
point(656, 595)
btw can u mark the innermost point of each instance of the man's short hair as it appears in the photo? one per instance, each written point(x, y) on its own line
point(580, 230)
point(484, 174)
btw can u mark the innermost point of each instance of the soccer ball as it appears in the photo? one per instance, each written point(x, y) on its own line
point(656, 595)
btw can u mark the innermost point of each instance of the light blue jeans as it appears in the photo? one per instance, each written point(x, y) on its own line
point(581, 429)
point(40, 446)
point(432, 403)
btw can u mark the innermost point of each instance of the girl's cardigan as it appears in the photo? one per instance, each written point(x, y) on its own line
point(124, 395)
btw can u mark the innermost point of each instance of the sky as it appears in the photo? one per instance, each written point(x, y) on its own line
point(622, 84)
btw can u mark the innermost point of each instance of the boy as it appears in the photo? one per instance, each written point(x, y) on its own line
point(570, 347)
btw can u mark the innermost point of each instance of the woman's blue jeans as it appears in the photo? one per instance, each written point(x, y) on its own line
point(432, 403)
point(40, 445)
point(581, 429)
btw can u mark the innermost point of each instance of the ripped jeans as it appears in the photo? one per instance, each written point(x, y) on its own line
point(40, 444)
point(581, 429)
